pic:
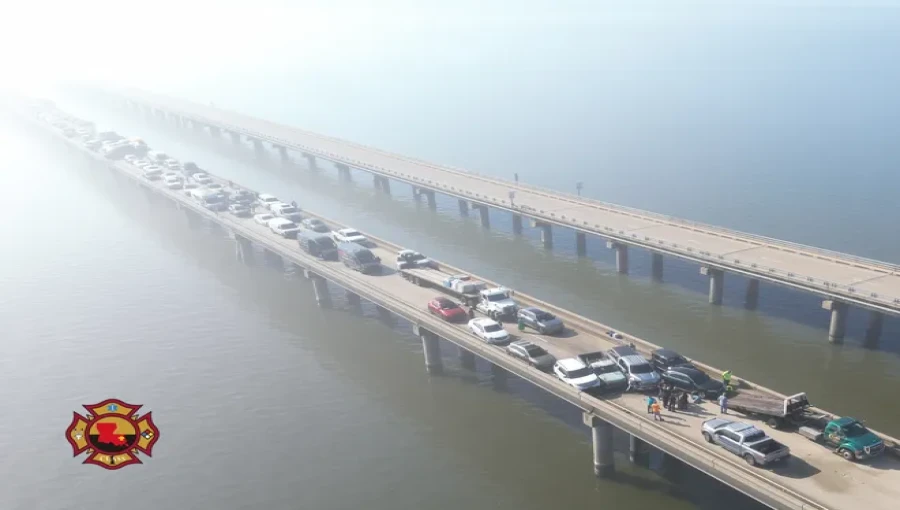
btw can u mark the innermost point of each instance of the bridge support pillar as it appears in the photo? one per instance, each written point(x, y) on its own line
point(282, 151)
point(873, 330)
point(517, 224)
point(243, 249)
point(385, 315)
point(343, 171)
point(214, 131)
point(257, 145)
point(311, 160)
point(466, 358)
point(320, 286)
point(602, 436)
point(751, 299)
point(546, 233)
point(235, 138)
point(580, 244)
point(418, 193)
point(637, 449)
point(656, 266)
point(484, 214)
point(353, 300)
point(716, 283)
point(463, 207)
point(498, 374)
point(621, 256)
point(838, 325)
point(431, 345)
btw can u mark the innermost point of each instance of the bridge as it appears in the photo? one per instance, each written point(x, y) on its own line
point(813, 479)
point(839, 278)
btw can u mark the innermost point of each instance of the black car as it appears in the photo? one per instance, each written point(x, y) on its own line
point(688, 378)
point(662, 359)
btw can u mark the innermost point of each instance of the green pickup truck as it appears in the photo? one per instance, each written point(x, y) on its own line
point(849, 437)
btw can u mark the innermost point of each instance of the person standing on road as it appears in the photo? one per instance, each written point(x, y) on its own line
point(726, 378)
point(650, 402)
point(656, 415)
point(516, 177)
point(723, 404)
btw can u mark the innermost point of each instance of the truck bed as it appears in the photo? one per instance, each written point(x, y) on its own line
point(758, 404)
point(434, 278)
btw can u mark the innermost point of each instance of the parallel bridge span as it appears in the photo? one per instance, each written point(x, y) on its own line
point(875, 487)
point(839, 278)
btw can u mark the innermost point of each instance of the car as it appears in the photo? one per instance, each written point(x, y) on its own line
point(543, 322)
point(637, 369)
point(745, 441)
point(214, 185)
point(242, 196)
point(240, 210)
point(152, 172)
point(131, 158)
point(288, 211)
point(267, 201)
point(531, 353)
point(576, 374)
point(264, 218)
point(690, 378)
point(606, 369)
point(348, 235)
point(284, 227)
point(446, 309)
point(142, 163)
point(662, 359)
point(489, 330)
point(191, 167)
point(172, 164)
point(202, 178)
point(409, 259)
point(188, 186)
point(172, 181)
point(315, 224)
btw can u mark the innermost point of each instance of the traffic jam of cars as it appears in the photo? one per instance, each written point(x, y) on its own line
point(482, 310)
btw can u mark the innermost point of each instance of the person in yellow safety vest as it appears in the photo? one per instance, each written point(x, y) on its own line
point(726, 379)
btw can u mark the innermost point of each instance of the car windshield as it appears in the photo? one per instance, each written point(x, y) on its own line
point(447, 305)
point(534, 351)
point(700, 377)
point(325, 242)
point(500, 296)
point(581, 372)
point(641, 368)
point(351, 233)
point(415, 256)
point(605, 369)
point(213, 199)
point(288, 210)
point(266, 217)
point(270, 199)
point(544, 316)
point(315, 223)
point(854, 429)
point(285, 226)
point(754, 437)
point(492, 328)
point(365, 257)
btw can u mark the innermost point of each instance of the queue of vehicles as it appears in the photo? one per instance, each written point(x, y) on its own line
point(621, 368)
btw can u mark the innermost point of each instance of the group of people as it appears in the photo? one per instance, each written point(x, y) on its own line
point(670, 398)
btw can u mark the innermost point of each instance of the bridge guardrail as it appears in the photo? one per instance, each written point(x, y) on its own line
point(887, 303)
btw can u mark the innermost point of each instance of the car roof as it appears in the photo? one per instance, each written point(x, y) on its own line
point(533, 309)
point(265, 214)
point(523, 343)
point(264, 196)
point(666, 353)
point(484, 321)
point(743, 428)
point(624, 350)
point(571, 363)
point(280, 221)
point(686, 370)
point(634, 359)
point(348, 229)
point(443, 299)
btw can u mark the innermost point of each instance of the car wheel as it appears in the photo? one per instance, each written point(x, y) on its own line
point(773, 423)
point(708, 437)
point(750, 460)
point(847, 454)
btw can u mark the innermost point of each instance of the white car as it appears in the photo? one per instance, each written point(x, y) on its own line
point(141, 163)
point(409, 259)
point(284, 227)
point(152, 172)
point(575, 373)
point(490, 331)
point(348, 235)
point(264, 218)
point(172, 164)
point(267, 201)
point(202, 178)
point(173, 181)
point(286, 211)
point(214, 185)
point(131, 158)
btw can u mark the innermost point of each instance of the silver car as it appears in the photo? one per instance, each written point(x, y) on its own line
point(543, 322)
point(532, 354)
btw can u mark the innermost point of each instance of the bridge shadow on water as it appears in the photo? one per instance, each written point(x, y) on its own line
point(270, 287)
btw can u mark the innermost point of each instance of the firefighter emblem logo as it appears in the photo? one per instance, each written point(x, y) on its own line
point(112, 434)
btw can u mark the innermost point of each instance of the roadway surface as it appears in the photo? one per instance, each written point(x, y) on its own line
point(815, 475)
point(865, 282)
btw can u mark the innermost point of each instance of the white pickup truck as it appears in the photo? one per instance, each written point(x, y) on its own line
point(497, 303)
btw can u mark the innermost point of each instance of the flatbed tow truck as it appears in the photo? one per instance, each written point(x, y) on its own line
point(462, 287)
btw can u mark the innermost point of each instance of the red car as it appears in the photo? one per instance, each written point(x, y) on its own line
point(446, 309)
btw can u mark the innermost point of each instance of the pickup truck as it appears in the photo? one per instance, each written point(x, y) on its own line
point(745, 441)
point(497, 303)
point(606, 369)
point(849, 438)
point(409, 259)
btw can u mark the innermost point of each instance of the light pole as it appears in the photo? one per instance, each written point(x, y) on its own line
point(578, 186)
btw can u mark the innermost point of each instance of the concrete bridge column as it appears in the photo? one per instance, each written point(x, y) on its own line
point(198, 126)
point(498, 374)
point(282, 150)
point(354, 301)
point(418, 193)
point(484, 214)
point(546, 233)
point(343, 171)
point(385, 315)
point(257, 145)
point(838, 325)
point(243, 248)
point(656, 266)
point(235, 138)
point(873, 330)
point(214, 131)
point(382, 183)
point(464, 209)
point(431, 345)
point(320, 286)
point(637, 449)
point(751, 299)
point(602, 435)
point(580, 244)
point(311, 160)
point(716, 283)
point(517, 224)
point(466, 358)
point(621, 256)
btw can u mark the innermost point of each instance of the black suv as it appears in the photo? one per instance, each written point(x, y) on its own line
point(688, 378)
point(663, 359)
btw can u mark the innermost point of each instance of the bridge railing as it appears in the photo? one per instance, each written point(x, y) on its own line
point(889, 303)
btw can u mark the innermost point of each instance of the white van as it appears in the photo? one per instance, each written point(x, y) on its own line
point(212, 200)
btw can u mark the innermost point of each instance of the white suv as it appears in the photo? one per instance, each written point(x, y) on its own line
point(575, 373)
